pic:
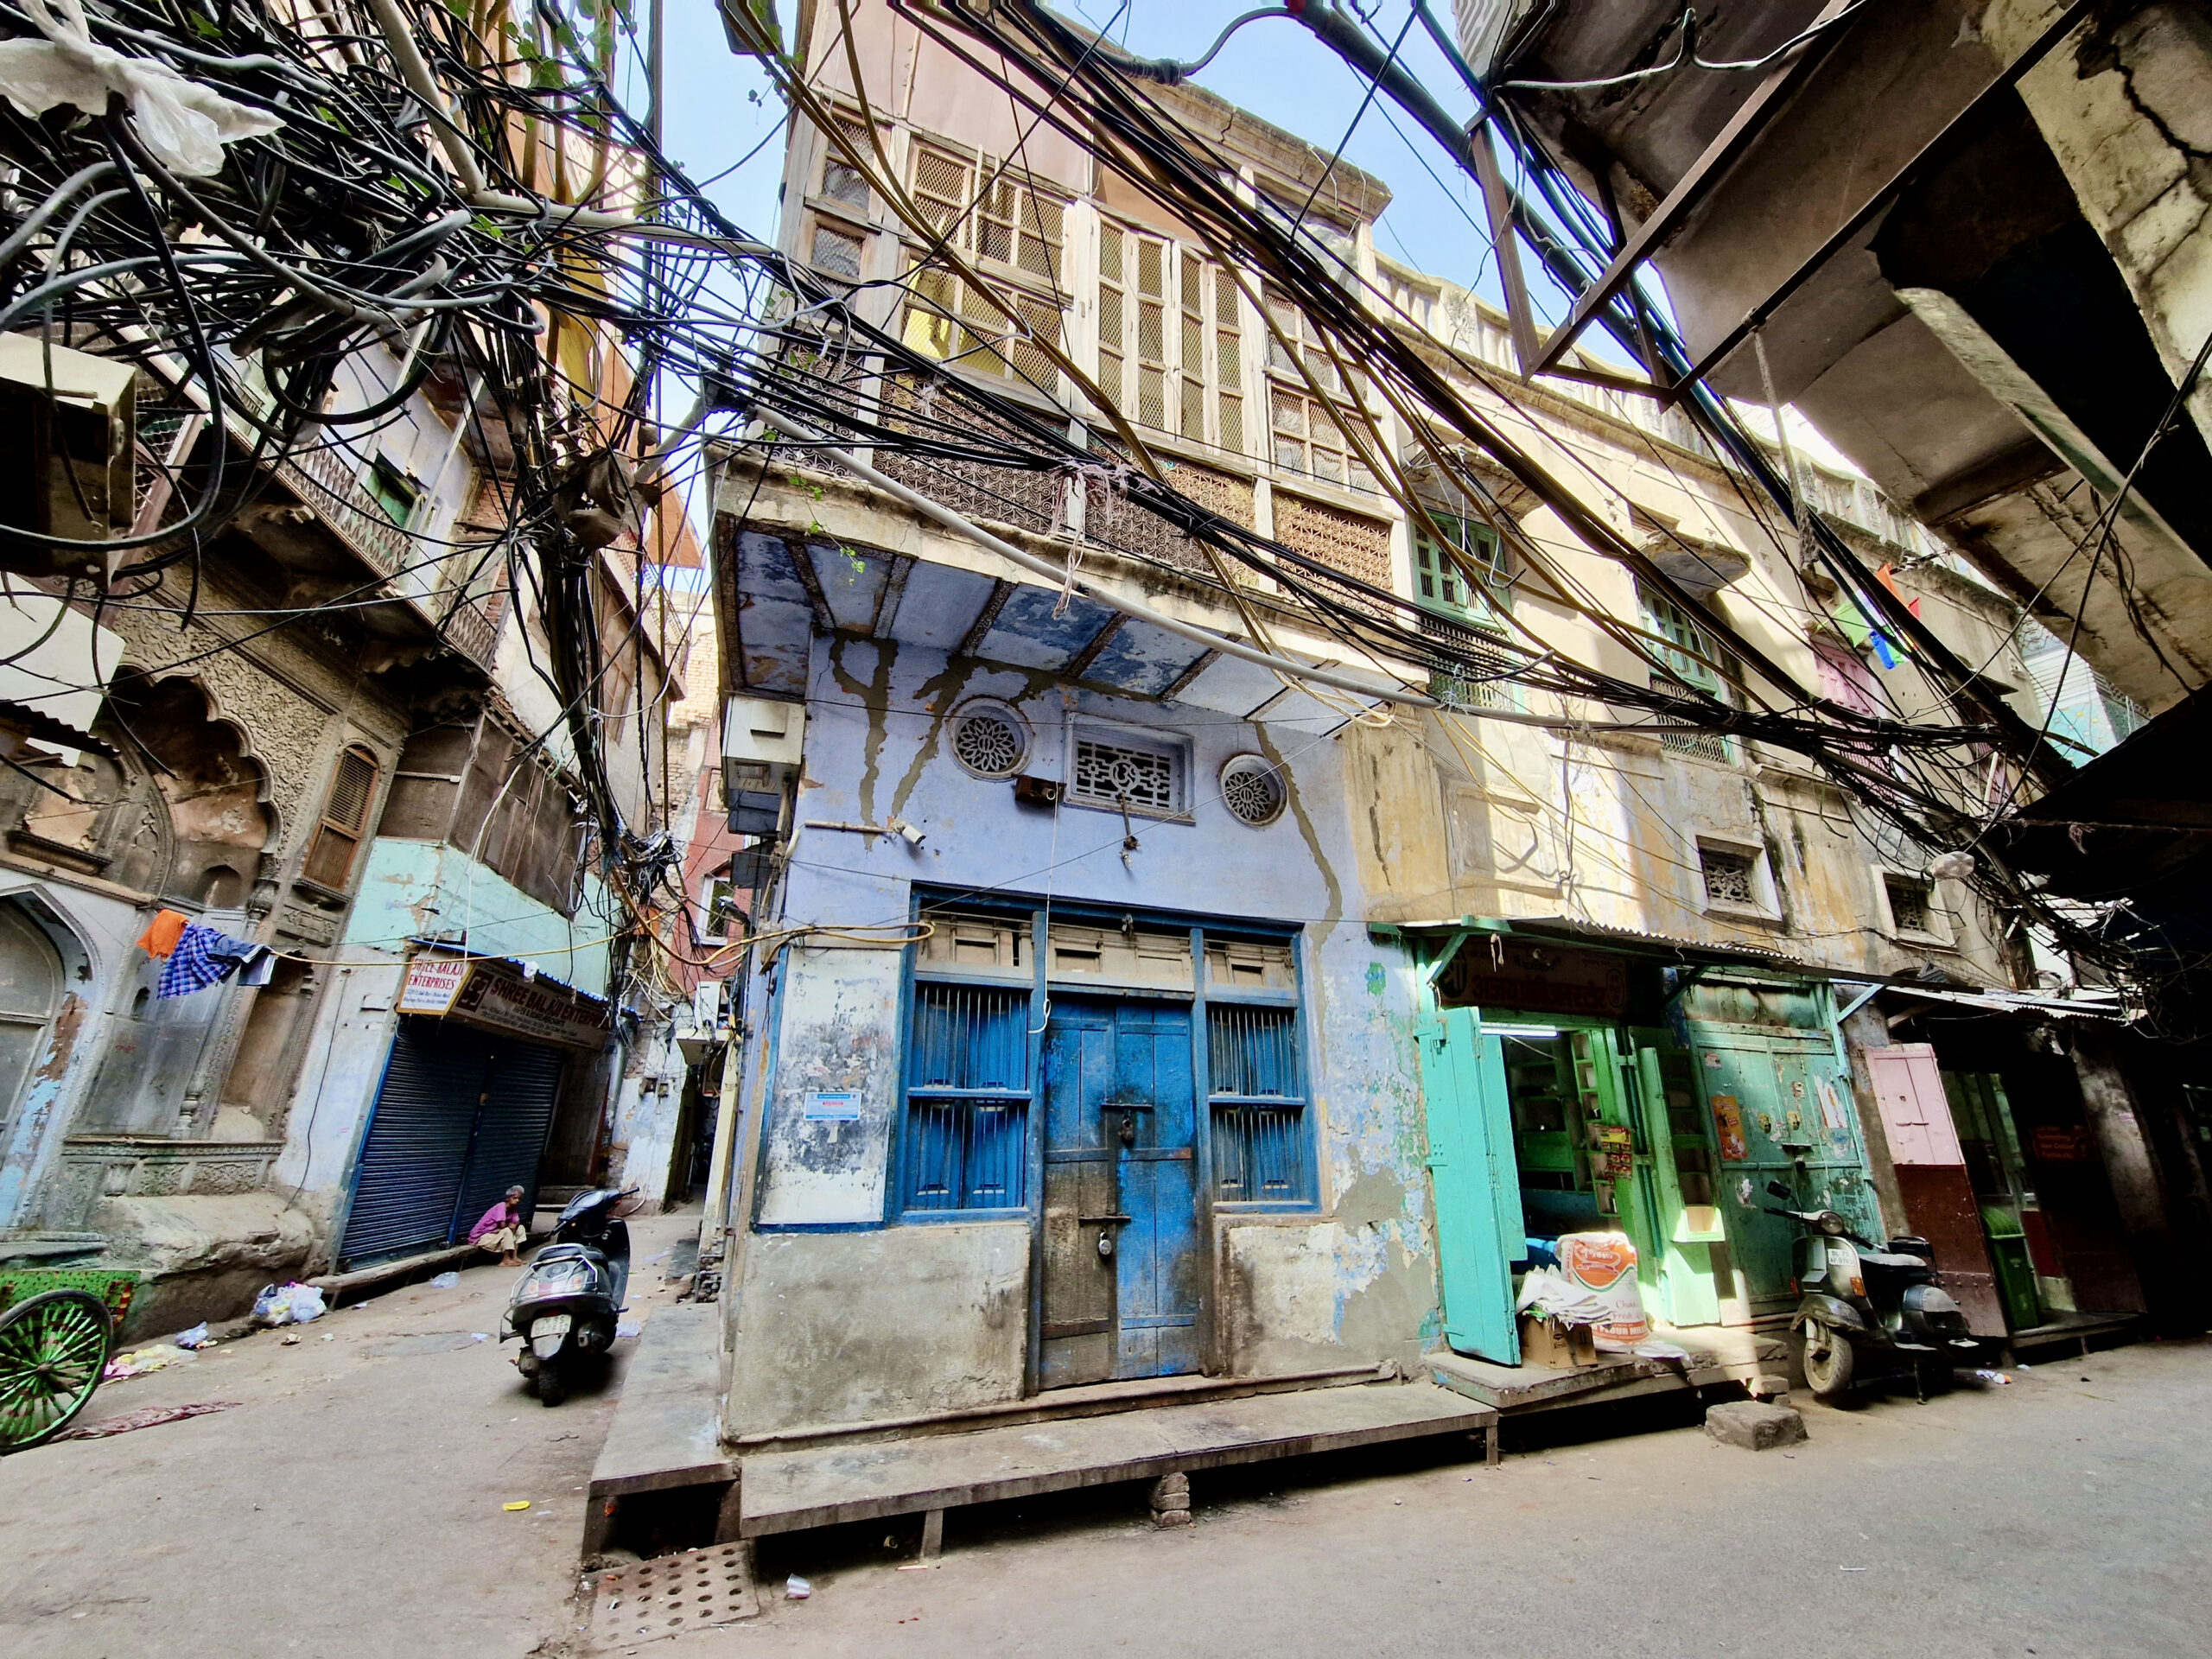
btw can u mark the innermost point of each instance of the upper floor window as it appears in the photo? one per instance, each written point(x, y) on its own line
point(1000, 220)
point(719, 914)
point(841, 181)
point(1170, 342)
point(344, 819)
point(1442, 581)
point(1307, 432)
point(1691, 662)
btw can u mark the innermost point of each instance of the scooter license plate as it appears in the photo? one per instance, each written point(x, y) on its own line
point(545, 1334)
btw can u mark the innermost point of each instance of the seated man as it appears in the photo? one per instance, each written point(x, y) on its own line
point(502, 1230)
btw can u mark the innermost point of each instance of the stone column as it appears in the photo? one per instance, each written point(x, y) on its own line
point(2139, 1188)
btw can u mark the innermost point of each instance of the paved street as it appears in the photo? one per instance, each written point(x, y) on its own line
point(353, 1504)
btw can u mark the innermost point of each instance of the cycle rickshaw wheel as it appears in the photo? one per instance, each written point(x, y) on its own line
point(52, 1348)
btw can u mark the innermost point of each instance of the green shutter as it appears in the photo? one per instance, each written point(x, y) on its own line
point(1477, 1186)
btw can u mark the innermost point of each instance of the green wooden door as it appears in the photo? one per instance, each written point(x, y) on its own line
point(1475, 1183)
point(1780, 1112)
point(1676, 1157)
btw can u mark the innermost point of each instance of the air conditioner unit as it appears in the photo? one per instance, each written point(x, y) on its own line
point(67, 433)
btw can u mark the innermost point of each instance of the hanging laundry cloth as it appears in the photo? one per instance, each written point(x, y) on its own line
point(205, 957)
point(161, 933)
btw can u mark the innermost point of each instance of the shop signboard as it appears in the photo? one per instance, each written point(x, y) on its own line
point(432, 984)
point(496, 994)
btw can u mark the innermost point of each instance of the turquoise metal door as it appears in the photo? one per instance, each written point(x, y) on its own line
point(1782, 1113)
point(1476, 1184)
point(1124, 1275)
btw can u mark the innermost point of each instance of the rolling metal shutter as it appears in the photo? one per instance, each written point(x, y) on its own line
point(510, 1129)
point(409, 1177)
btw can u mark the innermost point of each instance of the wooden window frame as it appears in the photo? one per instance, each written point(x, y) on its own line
point(943, 317)
point(329, 828)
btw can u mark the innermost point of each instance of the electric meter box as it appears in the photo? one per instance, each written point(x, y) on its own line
point(68, 421)
point(762, 741)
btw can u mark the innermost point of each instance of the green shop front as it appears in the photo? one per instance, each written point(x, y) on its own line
point(1579, 1079)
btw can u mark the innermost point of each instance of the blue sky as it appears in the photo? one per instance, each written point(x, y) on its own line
point(720, 108)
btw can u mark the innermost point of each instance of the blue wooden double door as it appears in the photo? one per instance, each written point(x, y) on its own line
point(1124, 1268)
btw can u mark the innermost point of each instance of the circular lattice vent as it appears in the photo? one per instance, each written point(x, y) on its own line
point(1252, 789)
point(990, 739)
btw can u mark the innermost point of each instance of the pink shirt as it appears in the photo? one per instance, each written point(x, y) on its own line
point(497, 1216)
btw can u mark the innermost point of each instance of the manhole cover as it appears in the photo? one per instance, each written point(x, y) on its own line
point(669, 1596)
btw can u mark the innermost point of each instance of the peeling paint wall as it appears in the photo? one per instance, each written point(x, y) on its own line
point(1351, 1284)
point(427, 889)
point(851, 1327)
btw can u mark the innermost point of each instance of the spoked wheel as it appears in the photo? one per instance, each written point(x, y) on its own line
point(1828, 1362)
point(52, 1348)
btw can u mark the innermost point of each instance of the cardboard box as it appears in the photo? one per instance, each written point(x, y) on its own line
point(1556, 1345)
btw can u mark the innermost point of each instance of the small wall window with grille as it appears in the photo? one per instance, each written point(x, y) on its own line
point(1256, 1083)
point(968, 1097)
point(1011, 226)
point(1125, 772)
point(1734, 878)
point(1912, 901)
point(1171, 339)
point(344, 819)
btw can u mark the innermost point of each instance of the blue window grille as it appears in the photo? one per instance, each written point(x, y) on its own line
point(967, 1098)
point(1257, 1084)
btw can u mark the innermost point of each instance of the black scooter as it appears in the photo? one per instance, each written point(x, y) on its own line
point(1862, 1303)
point(564, 1307)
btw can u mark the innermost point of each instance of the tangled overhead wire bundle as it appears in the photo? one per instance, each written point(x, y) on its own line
point(1906, 774)
point(295, 219)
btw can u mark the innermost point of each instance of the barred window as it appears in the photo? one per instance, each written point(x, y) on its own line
point(967, 1098)
point(1257, 1087)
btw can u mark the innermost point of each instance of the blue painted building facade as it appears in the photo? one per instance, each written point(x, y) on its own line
point(1072, 1059)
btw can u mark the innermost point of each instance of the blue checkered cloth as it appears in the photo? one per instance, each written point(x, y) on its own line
point(203, 956)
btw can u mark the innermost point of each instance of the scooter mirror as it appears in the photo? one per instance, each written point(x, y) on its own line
point(1779, 1189)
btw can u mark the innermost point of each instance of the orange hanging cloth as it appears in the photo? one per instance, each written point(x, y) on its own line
point(163, 932)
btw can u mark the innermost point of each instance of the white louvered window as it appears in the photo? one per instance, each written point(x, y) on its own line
point(1017, 234)
point(1170, 338)
point(1307, 433)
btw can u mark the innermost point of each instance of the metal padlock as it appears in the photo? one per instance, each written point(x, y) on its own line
point(1105, 1242)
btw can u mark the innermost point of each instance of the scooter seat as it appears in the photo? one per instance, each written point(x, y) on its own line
point(1884, 1259)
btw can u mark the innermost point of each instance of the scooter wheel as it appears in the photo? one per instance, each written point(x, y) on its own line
point(1828, 1363)
point(551, 1390)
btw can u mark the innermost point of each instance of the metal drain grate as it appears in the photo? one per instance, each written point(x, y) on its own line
point(701, 1587)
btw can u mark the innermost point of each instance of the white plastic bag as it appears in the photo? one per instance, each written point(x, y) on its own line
point(294, 1304)
point(182, 124)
